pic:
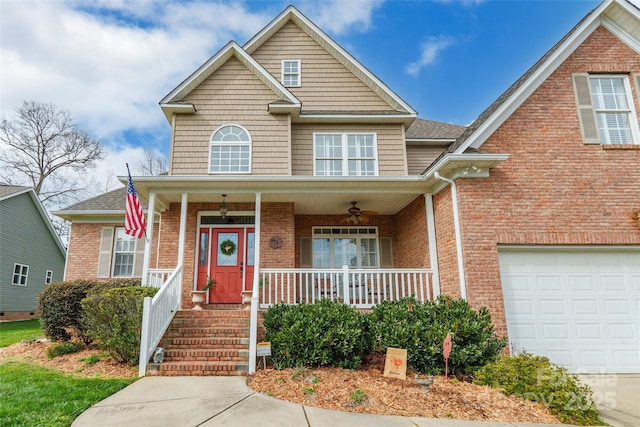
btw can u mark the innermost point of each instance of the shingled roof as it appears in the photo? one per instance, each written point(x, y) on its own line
point(112, 201)
point(428, 129)
point(6, 190)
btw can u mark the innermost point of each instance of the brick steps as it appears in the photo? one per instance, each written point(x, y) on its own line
point(198, 368)
point(213, 341)
point(176, 355)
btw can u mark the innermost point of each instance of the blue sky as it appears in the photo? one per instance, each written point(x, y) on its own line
point(109, 62)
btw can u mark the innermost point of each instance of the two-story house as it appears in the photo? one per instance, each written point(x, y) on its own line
point(296, 174)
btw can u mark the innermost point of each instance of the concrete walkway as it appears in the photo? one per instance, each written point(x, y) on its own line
point(227, 401)
point(617, 397)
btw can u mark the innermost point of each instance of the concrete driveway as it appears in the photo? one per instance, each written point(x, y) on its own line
point(617, 397)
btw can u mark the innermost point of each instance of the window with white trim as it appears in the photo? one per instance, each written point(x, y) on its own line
point(230, 150)
point(123, 254)
point(48, 278)
point(20, 274)
point(353, 246)
point(612, 102)
point(345, 154)
point(291, 72)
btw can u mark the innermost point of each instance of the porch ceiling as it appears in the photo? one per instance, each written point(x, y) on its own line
point(325, 196)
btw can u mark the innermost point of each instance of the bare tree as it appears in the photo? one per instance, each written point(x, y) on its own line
point(45, 148)
point(154, 163)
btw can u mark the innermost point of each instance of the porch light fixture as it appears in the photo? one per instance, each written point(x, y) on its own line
point(223, 208)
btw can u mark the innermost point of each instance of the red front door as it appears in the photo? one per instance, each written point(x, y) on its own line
point(227, 261)
point(226, 255)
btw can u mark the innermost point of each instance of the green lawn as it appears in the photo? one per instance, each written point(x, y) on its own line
point(36, 396)
point(13, 332)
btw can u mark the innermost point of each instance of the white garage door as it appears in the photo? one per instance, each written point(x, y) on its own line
point(579, 308)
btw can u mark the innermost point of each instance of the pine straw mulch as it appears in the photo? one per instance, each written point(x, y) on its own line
point(328, 388)
point(332, 388)
point(36, 352)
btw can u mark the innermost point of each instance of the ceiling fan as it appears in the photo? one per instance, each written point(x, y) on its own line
point(357, 215)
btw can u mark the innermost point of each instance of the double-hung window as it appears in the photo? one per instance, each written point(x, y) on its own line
point(606, 109)
point(612, 100)
point(48, 278)
point(356, 247)
point(20, 274)
point(230, 150)
point(291, 72)
point(345, 154)
point(123, 254)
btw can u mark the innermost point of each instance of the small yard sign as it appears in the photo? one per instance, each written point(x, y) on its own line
point(395, 365)
point(263, 349)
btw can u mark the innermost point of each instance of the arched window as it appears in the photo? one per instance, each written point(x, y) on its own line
point(230, 150)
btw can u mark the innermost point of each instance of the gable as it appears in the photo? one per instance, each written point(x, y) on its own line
point(618, 16)
point(231, 95)
point(326, 84)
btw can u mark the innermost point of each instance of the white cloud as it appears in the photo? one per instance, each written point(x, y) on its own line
point(109, 62)
point(429, 51)
point(339, 17)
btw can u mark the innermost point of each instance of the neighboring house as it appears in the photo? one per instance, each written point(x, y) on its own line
point(31, 253)
point(531, 211)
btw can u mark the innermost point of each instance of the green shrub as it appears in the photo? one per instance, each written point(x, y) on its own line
point(422, 327)
point(60, 310)
point(66, 347)
point(113, 318)
point(535, 378)
point(325, 333)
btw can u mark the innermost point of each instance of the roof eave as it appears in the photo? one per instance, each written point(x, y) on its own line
point(573, 40)
point(453, 166)
point(344, 57)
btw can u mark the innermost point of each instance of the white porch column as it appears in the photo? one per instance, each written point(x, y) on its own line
point(183, 228)
point(149, 239)
point(433, 248)
point(253, 328)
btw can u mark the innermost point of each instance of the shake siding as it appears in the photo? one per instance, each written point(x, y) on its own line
point(26, 240)
point(389, 138)
point(326, 83)
point(420, 157)
point(232, 95)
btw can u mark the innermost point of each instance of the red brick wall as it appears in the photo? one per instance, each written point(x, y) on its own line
point(410, 241)
point(278, 220)
point(83, 252)
point(553, 189)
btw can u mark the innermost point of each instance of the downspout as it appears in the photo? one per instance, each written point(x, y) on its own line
point(253, 328)
point(148, 239)
point(456, 226)
point(433, 248)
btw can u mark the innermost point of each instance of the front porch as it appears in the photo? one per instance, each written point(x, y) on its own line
point(286, 248)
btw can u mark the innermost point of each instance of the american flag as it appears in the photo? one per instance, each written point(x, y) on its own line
point(134, 223)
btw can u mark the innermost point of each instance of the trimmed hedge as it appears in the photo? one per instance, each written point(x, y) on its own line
point(113, 318)
point(422, 327)
point(60, 310)
point(325, 333)
point(535, 378)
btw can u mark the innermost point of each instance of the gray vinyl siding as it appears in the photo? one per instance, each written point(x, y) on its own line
point(25, 239)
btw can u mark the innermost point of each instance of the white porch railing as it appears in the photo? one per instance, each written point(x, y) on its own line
point(157, 314)
point(158, 277)
point(360, 288)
